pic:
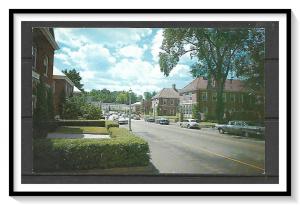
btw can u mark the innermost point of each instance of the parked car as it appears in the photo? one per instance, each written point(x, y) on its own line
point(190, 123)
point(163, 121)
point(136, 117)
point(122, 121)
point(242, 128)
point(150, 119)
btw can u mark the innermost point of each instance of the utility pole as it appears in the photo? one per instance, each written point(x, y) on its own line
point(129, 110)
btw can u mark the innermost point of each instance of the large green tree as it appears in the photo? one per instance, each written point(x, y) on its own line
point(216, 51)
point(75, 77)
point(252, 69)
point(149, 95)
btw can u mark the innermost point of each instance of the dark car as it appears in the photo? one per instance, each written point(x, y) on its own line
point(163, 121)
point(242, 128)
point(150, 119)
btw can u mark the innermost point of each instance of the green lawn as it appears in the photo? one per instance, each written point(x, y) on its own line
point(81, 130)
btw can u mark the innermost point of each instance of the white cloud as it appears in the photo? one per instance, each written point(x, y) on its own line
point(156, 44)
point(180, 71)
point(66, 36)
point(114, 59)
point(87, 74)
point(132, 51)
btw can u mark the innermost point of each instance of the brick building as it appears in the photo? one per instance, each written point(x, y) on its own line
point(235, 98)
point(43, 47)
point(165, 103)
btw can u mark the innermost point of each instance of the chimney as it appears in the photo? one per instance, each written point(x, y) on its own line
point(174, 86)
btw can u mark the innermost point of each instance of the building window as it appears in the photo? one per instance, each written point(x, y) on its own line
point(205, 110)
point(46, 65)
point(34, 55)
point(214, 97)
point(190, 95)
point(224, 97)
point(204, 96)
point(164, 101)
point(172, 101)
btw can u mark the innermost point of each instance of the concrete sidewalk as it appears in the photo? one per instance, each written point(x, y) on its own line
point(77, 136)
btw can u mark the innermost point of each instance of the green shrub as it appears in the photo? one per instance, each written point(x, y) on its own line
point(81, 130)
point(94, 123)
point(124, 149)
point(43, 111)
point(76, 107)
point(110, 123)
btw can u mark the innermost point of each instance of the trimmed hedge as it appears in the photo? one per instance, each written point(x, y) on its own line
point(94, 123)
point(110, 123)
point(124, 149)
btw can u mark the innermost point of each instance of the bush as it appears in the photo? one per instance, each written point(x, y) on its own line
point(94, 123)
point(76, 107)
point(124, 149)
point(43, 111)
point(109, 124)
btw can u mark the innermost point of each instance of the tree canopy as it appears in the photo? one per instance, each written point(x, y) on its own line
point(218, 51)
point(75, 77)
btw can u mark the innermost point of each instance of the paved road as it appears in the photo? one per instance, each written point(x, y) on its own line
point(180, 150)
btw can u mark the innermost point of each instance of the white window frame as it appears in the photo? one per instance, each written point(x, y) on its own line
point(46, 65)
point(34, 56)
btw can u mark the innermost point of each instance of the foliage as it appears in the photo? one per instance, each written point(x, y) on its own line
point(124, 149)
point(93, 123)
point(109, 124)
point(149, 95)
point(50, 104)
point(217, 52)
point(75, 77)
point(81, 130)
point(107, 96)
point(41, 112)
point(76, 107)
point(91, 112)
point(196, 112)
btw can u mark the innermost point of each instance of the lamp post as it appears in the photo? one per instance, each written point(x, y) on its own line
point(129, 123)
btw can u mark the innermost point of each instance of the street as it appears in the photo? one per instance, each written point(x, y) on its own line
point(179, 150)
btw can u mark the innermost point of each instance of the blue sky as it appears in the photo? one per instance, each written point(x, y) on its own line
point(117, 58)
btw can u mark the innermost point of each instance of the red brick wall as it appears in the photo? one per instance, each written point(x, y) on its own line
point(168, 108)
point(43, 49)
point(59, 85)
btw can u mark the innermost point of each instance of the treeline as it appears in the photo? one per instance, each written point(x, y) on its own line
point(121, 97)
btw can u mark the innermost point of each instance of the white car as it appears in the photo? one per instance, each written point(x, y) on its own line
point(122, 120)
point(190, 123)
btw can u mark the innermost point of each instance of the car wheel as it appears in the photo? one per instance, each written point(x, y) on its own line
point(221, 131)
point(188, 126)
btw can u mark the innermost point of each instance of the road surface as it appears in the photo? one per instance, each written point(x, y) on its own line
point(186, 151)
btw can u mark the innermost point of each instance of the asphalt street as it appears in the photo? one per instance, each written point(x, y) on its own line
point(187, 151)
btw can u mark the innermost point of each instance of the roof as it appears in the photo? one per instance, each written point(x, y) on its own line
point(167, 93)
point(76, 90)
point(49, 34)
point(57, 74)
point(201, 84)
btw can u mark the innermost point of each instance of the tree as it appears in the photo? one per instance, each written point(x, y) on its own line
point(252, 69)
point(217, 52)
point(40, 113)
point(50, 104)
point(149, 95)
point(75, 77)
